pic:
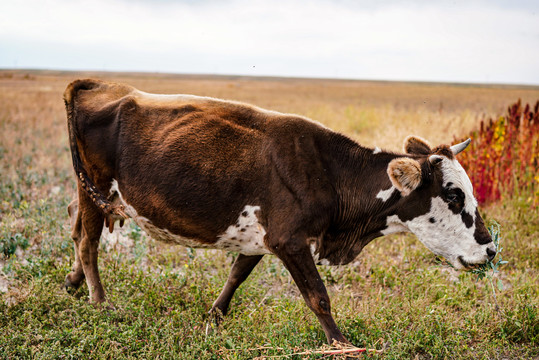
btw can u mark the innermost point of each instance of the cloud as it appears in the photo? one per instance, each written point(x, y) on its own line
point(420, 40)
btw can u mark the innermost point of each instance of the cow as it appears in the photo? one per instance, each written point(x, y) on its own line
point(209, 173)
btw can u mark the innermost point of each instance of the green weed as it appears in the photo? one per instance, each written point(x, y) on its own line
point(491, 267)
point(9, 244)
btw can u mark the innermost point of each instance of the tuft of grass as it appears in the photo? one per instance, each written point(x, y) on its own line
point(9, 244)
point(491, 267)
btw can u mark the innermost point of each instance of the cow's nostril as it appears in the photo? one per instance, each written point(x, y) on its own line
point(491, 253)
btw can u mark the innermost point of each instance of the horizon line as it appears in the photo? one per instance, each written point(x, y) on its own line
point(272, 77)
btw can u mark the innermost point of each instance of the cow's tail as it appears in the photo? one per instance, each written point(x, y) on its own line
point(86, 182)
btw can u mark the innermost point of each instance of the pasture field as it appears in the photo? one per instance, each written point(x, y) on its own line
point(395, 297)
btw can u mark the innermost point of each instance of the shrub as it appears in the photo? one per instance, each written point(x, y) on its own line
point(503, 156)
point(8, 244)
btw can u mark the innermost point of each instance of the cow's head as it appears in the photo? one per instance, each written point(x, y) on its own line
point(438, 204)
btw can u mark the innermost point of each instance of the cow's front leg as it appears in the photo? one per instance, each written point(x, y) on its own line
point(240, 271)
point(298, 260)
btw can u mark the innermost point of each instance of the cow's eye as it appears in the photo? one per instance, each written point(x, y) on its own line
point(452, 197)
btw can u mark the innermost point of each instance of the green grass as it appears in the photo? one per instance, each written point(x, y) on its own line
point(396, 296)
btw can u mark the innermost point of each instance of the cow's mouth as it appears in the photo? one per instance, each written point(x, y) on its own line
point(466, 264)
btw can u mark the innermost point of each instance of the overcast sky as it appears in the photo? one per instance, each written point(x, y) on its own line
point(456, 41)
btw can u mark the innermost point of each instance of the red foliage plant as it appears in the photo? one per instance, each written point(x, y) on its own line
point(502, 159)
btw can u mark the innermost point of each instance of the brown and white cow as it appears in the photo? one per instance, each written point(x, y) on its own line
point(208, 173)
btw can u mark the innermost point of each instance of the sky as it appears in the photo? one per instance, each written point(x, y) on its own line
point(475, 41)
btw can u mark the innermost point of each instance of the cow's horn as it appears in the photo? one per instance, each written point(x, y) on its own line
point(455, 149)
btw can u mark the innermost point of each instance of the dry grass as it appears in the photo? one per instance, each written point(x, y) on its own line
point(374, 113)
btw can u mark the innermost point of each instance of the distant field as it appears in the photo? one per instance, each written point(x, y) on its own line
point(394, 297)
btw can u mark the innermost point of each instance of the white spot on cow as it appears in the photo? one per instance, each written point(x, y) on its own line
point(314, 254)
point(377, 150)
point(384, 195)
point(114, 187)
point(394, 225)
point(246, 236)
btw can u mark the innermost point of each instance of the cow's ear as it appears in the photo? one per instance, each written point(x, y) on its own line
point(405, 174)
point(417, 145)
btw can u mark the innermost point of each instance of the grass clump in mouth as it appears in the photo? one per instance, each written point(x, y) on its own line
point(491, 267)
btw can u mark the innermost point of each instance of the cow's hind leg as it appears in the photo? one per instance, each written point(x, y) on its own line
point(240, 271)
point(91, 224)
point(74, 278)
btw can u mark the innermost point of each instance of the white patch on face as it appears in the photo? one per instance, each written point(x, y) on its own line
point(442, 231)
point(448, 236)
point(453, 238)
point(246, 236)
point(384, 195)
point(376, 150)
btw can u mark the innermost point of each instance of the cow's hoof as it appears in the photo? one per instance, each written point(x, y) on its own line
point(71, 286)
point(216, 316)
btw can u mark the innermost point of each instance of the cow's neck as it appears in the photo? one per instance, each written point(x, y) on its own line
point(365, 198)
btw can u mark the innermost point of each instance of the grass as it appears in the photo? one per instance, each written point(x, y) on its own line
point(491, 267)
point(394, 297)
